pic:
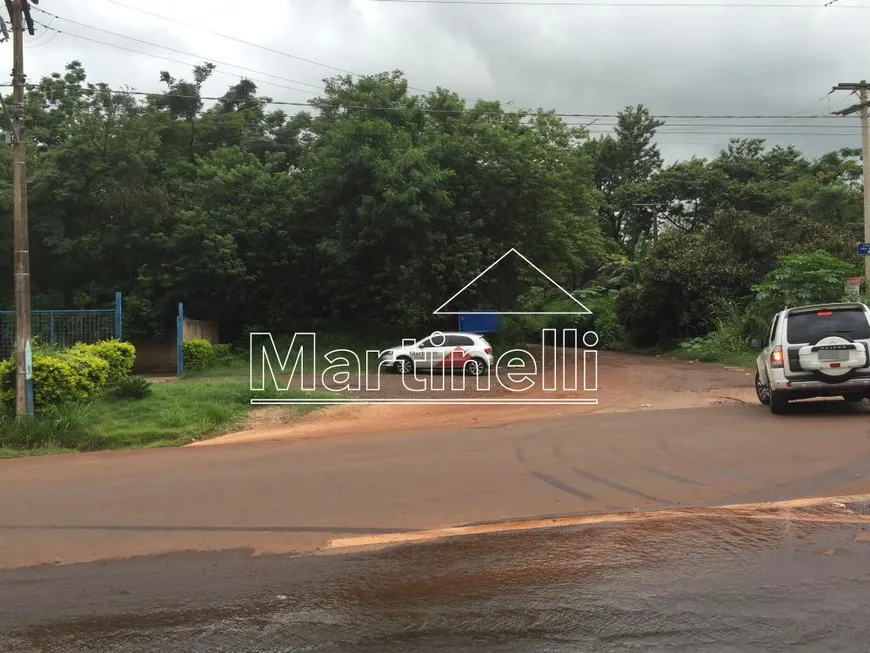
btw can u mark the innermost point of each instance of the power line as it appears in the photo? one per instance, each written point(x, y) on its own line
point(495, 113)
point(732, 134)
point(55, 16)
point(720, 125)
point(35, 42)
point(599, 127)
point(260, 46)
point(233, 38)
point(249, 43)
point(166, 47)
point(750, 134)
point(51, 38)
point(178, 61)
point(663, 5)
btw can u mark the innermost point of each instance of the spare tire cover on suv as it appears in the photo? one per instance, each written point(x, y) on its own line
point(833, 357)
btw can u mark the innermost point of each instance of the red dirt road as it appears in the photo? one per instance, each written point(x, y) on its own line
point(626, 383)
point(300, 492)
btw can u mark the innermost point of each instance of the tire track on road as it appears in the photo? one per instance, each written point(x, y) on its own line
point(613, 485)
point(550, 480)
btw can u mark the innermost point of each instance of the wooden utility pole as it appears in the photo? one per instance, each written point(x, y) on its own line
point(19, 12)
point(655, 221)
point(862, 88)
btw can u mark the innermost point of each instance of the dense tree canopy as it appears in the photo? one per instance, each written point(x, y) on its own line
point(374, 204)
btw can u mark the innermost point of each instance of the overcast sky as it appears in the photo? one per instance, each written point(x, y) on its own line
point(580, 59)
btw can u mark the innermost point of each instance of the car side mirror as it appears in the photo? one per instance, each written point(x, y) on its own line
point(757, 344)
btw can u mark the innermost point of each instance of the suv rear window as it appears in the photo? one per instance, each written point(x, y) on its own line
point(809, 327)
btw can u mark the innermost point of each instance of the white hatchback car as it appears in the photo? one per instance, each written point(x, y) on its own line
point(815, 351)
point(470, 351)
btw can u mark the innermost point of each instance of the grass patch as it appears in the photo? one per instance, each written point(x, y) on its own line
point(173, 414)
point(232, 366)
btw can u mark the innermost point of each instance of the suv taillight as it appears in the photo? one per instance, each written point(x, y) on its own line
point(776, 357)
point(488, 350)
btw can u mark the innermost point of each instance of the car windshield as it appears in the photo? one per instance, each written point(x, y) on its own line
point(810, 327)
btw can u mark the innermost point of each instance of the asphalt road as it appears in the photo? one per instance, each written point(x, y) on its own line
point(168, 549)
point(297, 496)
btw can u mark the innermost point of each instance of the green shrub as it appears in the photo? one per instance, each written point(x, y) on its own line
point(735, 327)
point(55, 381)
point(605, 321)
point(119, 355)
point(59, 377)
point(7, 382)
point(90, 373)
point(222, 351)
point(133, 387)
point(198, 354)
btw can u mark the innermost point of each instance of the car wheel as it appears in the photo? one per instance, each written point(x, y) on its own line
point(778, 402)
point(404, 365)
point(761, 390)
point(475, 366)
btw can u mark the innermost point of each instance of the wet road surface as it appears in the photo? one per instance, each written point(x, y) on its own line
point(298, 496)
point(797, 582)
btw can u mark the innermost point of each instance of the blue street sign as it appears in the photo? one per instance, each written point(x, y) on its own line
point(864, 249)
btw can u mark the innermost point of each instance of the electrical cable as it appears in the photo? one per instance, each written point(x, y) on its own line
point(185, 63)
point(257, 45)
point(635, 5)
point(177, 51)
point(494, 113)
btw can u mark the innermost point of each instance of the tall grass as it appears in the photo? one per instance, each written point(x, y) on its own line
point(730, 341)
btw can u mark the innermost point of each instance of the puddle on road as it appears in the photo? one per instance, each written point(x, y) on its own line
point(699, 584)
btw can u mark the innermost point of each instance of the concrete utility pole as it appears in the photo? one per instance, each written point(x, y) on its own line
point(862, 89)
point(19, 12)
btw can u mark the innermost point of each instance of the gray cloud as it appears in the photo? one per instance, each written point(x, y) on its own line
point(571, 59)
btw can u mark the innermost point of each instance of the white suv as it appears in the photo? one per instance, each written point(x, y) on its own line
point(469, 351)
point(815, 351)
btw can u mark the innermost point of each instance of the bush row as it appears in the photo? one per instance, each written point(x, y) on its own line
point(77, 374)
point(201, 354)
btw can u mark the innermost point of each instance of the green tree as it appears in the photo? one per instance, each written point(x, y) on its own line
point(804, 278)
point(623, 162)
point(688, 275)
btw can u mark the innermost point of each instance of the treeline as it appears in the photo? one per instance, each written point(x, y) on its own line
point(374, 205)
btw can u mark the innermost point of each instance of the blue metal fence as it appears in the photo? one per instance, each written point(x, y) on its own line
point(64, 327)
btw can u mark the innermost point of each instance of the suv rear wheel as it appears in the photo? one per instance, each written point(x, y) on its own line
point(778, 402)
point(761, 390)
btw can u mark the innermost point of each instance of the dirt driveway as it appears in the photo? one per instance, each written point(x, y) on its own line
point(626, 383)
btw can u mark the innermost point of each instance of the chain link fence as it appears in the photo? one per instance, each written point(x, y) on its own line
point(64, 327)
